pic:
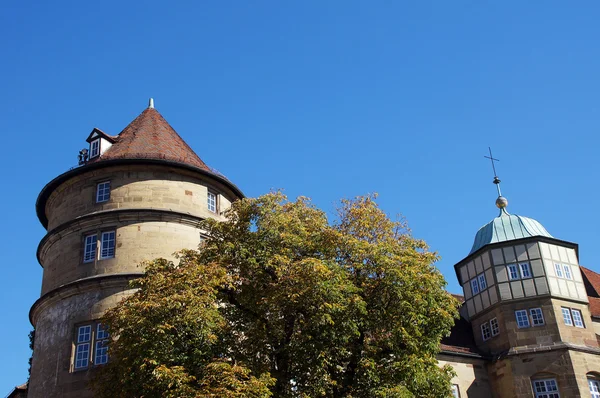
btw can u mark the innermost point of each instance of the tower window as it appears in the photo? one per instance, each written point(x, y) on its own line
point(537, 317)
point(95, 148)
point(558, 270)
point(546, 388)
point(91, 345)
point(474, 286)
point(495, 327)
point(89, 249)
point(482, 283)
point(567, 270)
point(106, 246)
point(513, 273)
point(455, 392)
point(594, 388)
point(577, 318)
point(485, 331)
point(212, 202)
point(103, 192)
point(525, 271)
point(566, 313)
point(522, 319)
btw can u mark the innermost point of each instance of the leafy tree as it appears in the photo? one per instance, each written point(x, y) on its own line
point(279, 302)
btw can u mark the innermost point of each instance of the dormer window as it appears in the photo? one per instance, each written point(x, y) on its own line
point(94, 148)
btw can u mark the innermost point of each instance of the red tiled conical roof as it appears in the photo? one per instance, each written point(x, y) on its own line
point(150, 136)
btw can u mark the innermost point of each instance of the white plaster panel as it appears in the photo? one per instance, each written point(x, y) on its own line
point(529, 287)
point(572, 290)
point(562, 284)
point(489, 277)
point(554, 289)
point(521, 251)
point(497, 257)
point(541, 286)
point(581, 292)
point(517, 289)
point(509, 254)
point(467, 290)
point(537, 268)
point(504, 289)
point(576, 271)
point(470, 308)
point(554, 252)
point(464, 275)
point(478, 303)
point(545, 250)
point(501, 274)
point(533, 250)
point(485, 299)
point(471, 268)
point(562, 252)
point(485, 257)
point(493, 296)
point(572, 256)
point(478, 265)
point(549, 267)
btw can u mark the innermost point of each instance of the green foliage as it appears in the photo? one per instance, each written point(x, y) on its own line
point(279, 302)
point(31, 344)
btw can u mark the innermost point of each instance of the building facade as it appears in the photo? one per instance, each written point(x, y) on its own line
point(530, 313)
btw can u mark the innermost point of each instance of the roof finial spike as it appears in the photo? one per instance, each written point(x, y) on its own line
point(501, 202)
point(151, 103)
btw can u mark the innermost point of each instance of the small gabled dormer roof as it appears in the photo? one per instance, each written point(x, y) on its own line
point(97, 133)
point(149, 136)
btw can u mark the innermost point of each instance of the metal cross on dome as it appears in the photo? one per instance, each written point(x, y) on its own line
point(496, 179)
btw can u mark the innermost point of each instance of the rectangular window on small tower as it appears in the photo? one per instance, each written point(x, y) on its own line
point(525, 271)
point(103, 192)
point(212, 202)
point(546, 388)
point(566, 313)
point(522, 319)
point(485, 331)
point(474, 286)
point(495, 327)
point(482, 283)
point(513, 273)
point(537, 318)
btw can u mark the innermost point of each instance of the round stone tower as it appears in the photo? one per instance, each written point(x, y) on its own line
point(136, 196)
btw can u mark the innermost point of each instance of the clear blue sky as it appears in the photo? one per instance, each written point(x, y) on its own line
point(325, 99)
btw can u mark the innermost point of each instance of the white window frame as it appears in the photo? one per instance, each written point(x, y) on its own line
point(211, 201)
point(545, 388)
point(486, 333)
point(482, 282)
point(525, 270)
point(594, 386)
point(455, 391)
point(577, 318)
point(537, 316)
point(95, 148)
point(510, 268)
point(90, 248)
point(567, 271)
point(558, 270)
point(524, 317)
point(103, 192)
point(566, 313)
point(495, 327)
point(474, 286)
point(83, 340)
point(107, 244)
point(90, 346)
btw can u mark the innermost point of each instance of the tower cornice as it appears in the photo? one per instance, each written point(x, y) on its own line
point(45, 193)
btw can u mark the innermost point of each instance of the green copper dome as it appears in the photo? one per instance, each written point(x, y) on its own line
point(507, 227)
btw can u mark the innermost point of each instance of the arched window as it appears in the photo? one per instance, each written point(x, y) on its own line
point(593, 380)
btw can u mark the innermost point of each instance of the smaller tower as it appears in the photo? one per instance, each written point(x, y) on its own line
point(528, 307)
